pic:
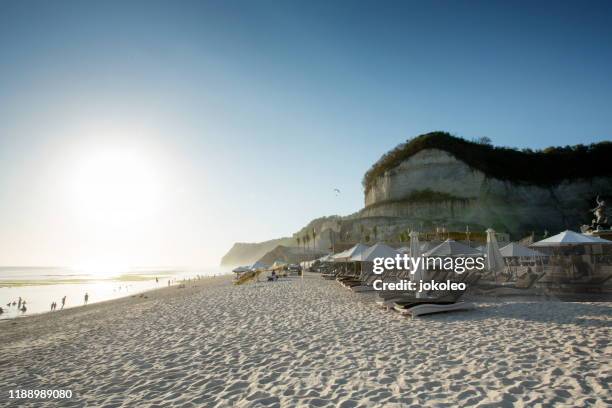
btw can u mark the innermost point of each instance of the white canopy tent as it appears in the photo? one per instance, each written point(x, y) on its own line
point(568, 237)
point(600, 240)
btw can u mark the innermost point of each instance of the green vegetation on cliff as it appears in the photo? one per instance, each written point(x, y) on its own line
point(420, 196)
point(541, 167)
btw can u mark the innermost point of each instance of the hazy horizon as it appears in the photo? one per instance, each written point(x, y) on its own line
point(159, 133)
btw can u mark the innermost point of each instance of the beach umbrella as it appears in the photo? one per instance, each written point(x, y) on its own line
point(452, 248)
point(378, 250)
point(326, 258)
point(428, 245)
point(346, 256)
point(495, 260)
point(367, 256)
point(516, 250)
point(339, 257)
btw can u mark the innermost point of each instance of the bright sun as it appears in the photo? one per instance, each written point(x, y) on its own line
point(115, 186)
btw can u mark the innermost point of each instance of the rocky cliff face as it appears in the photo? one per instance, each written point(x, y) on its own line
point(433, 186)
point(437, 179)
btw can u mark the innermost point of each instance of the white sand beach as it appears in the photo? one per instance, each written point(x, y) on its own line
point(309, 343)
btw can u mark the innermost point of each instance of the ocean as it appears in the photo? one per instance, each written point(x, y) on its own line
point(40, 286)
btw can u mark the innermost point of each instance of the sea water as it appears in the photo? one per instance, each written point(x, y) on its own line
point(41, 286)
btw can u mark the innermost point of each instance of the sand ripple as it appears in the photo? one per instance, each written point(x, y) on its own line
point(310, 344)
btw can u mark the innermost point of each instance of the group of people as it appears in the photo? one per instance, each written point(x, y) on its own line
point(54, 304)
point(21, 305)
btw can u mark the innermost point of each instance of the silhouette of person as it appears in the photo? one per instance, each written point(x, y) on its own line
point(156, 280)
point(52, 303)
point(86, 297)
point(23, 309)
point(19, 304)
point(63, 301)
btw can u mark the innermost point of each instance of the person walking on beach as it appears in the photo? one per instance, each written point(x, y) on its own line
point(156, 280)
point(86, 297)
point(63, 301)
point(52, 304)
point(19, 303)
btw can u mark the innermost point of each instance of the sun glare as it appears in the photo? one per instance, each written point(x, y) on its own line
point(115, 186)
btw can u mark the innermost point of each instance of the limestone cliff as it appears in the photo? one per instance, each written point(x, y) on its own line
point(439, 179)
point(435, 187)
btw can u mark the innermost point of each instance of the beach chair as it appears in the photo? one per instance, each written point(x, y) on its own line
point(437, 301)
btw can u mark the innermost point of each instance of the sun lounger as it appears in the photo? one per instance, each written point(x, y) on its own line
point(433, 308)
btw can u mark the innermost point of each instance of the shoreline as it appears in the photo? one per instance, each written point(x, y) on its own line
point(163, 291)
point(308, 342)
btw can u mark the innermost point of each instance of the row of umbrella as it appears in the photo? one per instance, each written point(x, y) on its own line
point(452, 248)
point(364, 253)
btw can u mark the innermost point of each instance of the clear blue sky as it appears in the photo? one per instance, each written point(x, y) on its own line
point(252, 112)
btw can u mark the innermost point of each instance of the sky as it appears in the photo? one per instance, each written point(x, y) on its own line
point(161, 132)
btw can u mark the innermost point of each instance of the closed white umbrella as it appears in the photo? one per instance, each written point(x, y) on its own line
point(415, 252)
point(495, 261)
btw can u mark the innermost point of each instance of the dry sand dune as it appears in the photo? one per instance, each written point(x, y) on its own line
point(309, 343)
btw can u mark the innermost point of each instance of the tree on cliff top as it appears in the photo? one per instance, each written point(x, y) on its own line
point(542, 167)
